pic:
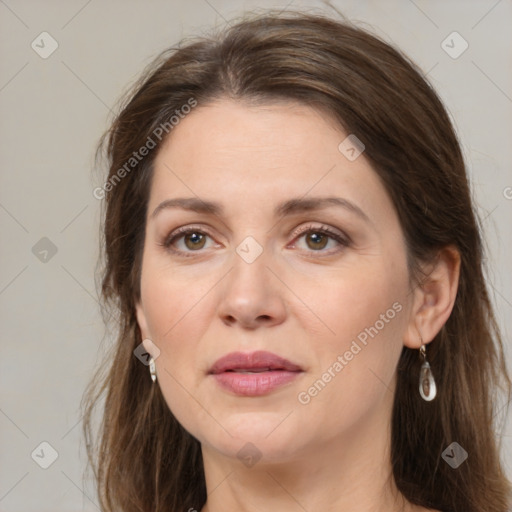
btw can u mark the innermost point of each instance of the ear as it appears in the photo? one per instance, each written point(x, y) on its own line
point(434, 298)
point(141, 320)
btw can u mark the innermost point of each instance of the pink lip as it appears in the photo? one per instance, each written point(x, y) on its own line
point(272, 372)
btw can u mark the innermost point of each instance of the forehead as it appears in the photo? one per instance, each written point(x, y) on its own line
point(239, 127)
point(230, 136)
point(259, 155)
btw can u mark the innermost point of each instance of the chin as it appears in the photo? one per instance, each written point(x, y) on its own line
point(255, 434)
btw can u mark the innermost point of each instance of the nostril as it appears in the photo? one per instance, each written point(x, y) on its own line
point(250, 322)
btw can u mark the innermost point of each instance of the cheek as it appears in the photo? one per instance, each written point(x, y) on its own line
point(357, 300)
point(177, 316)
point(172, 297)
point(366, 312)
point(355, 367)
point(178, 311)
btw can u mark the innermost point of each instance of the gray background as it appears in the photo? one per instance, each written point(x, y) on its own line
point(53, 111)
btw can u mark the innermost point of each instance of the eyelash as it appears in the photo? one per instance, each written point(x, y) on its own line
point(343, 241)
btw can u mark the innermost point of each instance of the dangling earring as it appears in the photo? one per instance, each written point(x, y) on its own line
point(428, 388)
point(152, 369)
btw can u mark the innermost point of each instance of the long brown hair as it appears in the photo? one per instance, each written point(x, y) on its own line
point(143, 459)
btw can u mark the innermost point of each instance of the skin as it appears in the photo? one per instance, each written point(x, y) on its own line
point(302, 299)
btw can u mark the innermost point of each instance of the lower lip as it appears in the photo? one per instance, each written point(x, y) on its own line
point(254, 384)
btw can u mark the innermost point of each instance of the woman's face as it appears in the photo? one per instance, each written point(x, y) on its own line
point(308, 297)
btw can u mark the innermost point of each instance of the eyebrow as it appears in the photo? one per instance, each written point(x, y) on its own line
point(290, 207)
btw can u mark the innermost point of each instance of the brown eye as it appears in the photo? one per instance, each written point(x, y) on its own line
point(186, 241)
point(321, 240)
point(194, 240)
point(316, 241)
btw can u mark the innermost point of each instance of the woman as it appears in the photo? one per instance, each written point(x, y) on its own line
point(303, 322)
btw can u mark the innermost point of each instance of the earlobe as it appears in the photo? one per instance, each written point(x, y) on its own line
point(434, 298)
point(141, 320)
point(147, 342)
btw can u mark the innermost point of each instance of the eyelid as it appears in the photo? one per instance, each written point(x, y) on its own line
point(321, 228)
point(186, 229)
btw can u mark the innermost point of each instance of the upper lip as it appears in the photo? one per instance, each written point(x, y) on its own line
point(260, 360)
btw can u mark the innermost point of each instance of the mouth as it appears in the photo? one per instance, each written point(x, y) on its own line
point(253, 362)
point(254, 370)
point(253, 374)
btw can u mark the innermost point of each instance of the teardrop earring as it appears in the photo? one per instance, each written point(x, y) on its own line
point(428, 389)
point(152, 369)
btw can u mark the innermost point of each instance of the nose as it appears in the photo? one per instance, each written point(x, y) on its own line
point(251, 295)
